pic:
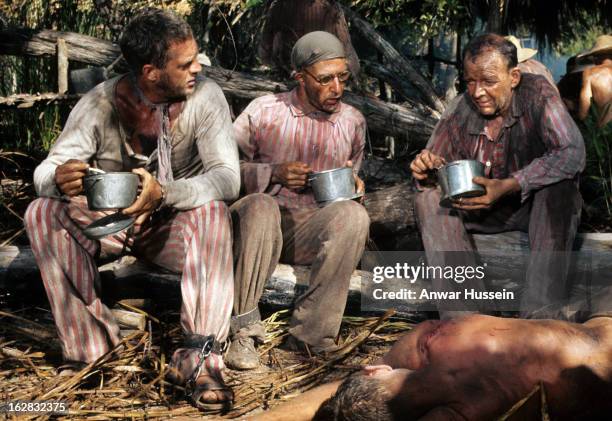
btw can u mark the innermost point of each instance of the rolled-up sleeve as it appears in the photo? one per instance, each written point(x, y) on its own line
point(218, 152)
point(565, 156)
point(255, 175)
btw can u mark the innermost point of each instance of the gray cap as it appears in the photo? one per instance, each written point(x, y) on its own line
point(314, 47)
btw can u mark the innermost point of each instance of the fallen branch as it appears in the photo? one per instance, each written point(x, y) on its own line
point(396, 62)
point(29, 100)
point(382, 117)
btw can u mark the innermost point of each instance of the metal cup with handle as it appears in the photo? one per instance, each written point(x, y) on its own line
point(455, 179)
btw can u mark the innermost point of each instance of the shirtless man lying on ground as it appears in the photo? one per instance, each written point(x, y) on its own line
point(473, 368)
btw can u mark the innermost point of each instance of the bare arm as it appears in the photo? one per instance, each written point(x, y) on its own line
point(302, 408)
point(585, 95)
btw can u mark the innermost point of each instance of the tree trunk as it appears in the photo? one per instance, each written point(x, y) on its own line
point(397, 63)
point(403, 89)
point(495, 21)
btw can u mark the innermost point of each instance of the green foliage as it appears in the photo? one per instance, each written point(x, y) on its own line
point(424, 18)
point(253, 3)
point(582, 34)
point(598, 171)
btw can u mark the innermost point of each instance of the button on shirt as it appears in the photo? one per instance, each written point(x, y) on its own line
point(273, 129)
point(538, 144)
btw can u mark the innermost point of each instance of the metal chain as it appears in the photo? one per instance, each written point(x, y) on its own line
point(204, 353)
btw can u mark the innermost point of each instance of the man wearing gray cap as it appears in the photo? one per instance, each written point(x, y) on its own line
point(282, 138)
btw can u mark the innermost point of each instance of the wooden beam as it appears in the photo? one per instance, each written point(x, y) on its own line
point(62, 66)
point(18, 269)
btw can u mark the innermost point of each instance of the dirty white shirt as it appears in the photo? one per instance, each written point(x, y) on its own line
point(204, 154)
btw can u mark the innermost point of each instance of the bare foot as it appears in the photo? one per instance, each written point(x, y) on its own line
point(211, 393)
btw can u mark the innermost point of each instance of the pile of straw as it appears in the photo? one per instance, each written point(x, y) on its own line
point(129, 382)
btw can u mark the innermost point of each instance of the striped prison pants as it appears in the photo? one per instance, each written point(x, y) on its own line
point(196, 243)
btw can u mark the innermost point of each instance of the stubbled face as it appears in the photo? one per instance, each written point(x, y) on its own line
point(323, 97)
point(490, 83)
point(178, 78)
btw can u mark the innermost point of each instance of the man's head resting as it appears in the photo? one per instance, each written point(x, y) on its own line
point(360, 398)
point(320, 68)
point(491, 73)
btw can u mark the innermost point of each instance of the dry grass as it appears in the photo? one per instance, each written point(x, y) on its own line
point(128, 383)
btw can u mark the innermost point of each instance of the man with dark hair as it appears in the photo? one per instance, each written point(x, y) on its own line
point(518, 127)
point(476, 368)
point(173, 130)
point(359, 398)
point(282, 138)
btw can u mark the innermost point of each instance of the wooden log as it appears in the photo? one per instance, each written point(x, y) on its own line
point(18, 270)
point(400, 85)
point(382, 117)
point(81, 48)
point(391, 208)
point(400, 66)
point(62, 66)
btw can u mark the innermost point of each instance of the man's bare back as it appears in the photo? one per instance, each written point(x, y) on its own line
point(477, 367)
point(597, 85)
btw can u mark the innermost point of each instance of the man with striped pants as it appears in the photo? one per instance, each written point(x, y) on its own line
point(174, 130)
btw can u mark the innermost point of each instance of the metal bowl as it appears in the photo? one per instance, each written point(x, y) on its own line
point(332, 185)
point(114, 190)
point(455, 179)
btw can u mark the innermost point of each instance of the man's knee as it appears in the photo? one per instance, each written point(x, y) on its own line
point(427, 201)
point(40, 211)
point(560, 200)
point(258, 206)
point(215, 211)
point(349, 219)
point(215, 206)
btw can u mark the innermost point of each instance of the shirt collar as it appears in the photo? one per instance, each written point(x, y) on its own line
point(297, 109)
